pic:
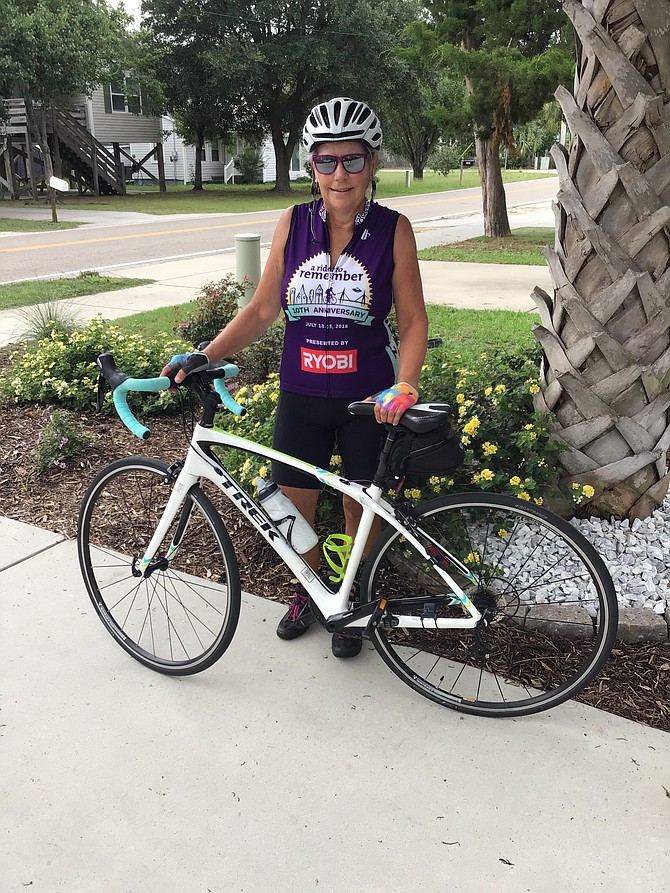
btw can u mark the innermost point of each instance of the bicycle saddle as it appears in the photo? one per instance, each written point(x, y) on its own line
point(421, 418)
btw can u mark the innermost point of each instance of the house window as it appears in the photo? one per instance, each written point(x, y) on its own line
point(126, 98)
point(118, 98)
point(203, 155)
point(215, 152)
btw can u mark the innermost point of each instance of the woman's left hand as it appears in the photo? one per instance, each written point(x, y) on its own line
point(391, 403)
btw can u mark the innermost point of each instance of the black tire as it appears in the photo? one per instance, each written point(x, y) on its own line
point(550, 602)
point(181, 618)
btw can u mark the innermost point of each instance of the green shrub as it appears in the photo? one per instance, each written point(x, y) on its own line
point(215, 306)
point(508, 445)
point(249, 163)
point(40, 321)
point(61, 369)
point(263, 356)
point(445, 159)
point(58, 440)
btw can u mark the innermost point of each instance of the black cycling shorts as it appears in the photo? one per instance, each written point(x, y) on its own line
point(310, 428)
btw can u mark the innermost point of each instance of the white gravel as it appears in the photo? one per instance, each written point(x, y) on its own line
point(637, 555)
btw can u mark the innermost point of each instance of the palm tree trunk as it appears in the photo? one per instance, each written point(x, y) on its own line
point(606, 330)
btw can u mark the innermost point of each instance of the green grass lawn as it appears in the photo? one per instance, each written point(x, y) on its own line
point(40, 291)
point(217, 198)
point(10, 225)
point(524, 246)
point(469, 332)
point(473, 332)
point(151, 323)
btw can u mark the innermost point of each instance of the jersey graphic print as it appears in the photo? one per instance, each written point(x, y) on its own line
point(337, 342)
point(316, 290)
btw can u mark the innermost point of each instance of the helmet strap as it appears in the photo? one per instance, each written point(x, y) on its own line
point(373, 189)
point(316, 192)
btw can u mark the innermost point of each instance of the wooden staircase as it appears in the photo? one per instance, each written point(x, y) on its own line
point(88, 162)
point(84, 160)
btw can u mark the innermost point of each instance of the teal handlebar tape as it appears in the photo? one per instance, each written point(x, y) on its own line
point(120, 396)
point(226, 399)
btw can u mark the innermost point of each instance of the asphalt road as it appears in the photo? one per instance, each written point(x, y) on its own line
point(112, 241)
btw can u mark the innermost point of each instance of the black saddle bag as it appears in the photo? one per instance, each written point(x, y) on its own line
point(435, 453)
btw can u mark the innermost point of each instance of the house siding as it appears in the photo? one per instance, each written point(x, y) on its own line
point(120, 127)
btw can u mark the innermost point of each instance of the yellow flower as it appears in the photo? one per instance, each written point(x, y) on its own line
point(483, 356)
point(413, 494)
point(460, 398)
point(476, 477)
point(534, 389)
point(538, 500)
point(487, 474)
point(461, 384)
point(450, 482)
point(461, 411)
point(500, 389)
point(528, 427)
point(472, 426)
point(263, 471)
point(588, 491)
point(575, 485)
point(472, 558)
point(533, 436)
point(502, 533)
point(515, 481)
point(490, 449)
point(465, 441)
point(523, 495)
point(488, 391)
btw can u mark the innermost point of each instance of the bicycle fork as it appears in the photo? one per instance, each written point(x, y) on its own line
point(147, 565)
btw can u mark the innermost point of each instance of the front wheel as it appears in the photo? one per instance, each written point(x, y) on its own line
point(182, 616)
point(548, 603)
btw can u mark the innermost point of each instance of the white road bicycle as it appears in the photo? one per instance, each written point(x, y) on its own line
point(481, 602)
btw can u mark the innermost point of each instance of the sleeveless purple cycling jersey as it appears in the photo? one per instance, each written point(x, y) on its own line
point(337, 341)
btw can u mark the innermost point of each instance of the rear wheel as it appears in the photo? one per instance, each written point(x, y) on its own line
point(181, 618)
point(549, 606)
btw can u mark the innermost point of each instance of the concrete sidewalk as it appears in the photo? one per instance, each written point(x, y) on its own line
point(283, 769)
point(479, 286)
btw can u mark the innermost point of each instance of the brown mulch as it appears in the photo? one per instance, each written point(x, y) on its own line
point(634, 684)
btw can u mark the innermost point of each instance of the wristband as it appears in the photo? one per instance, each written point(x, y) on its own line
point(398, 398)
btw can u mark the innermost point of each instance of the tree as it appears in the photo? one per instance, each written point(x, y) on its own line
point(59, 48)
point(423, 107)
point(537, 136)
point(606, 331)
point(186, 64)
point(275, 60)
point(511, 57)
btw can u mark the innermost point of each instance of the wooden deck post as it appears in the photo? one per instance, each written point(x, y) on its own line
point(162, 185)
point(30, 168)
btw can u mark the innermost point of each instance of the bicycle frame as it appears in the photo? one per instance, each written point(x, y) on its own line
point(201, 463)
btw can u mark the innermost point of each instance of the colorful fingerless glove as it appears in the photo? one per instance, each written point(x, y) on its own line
point(398, 398)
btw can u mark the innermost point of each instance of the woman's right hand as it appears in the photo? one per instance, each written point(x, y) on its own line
point(185, 364)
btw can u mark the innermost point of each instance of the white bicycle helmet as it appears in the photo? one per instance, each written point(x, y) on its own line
point(342, 120)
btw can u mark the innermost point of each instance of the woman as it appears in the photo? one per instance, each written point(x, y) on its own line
point(336, 267)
